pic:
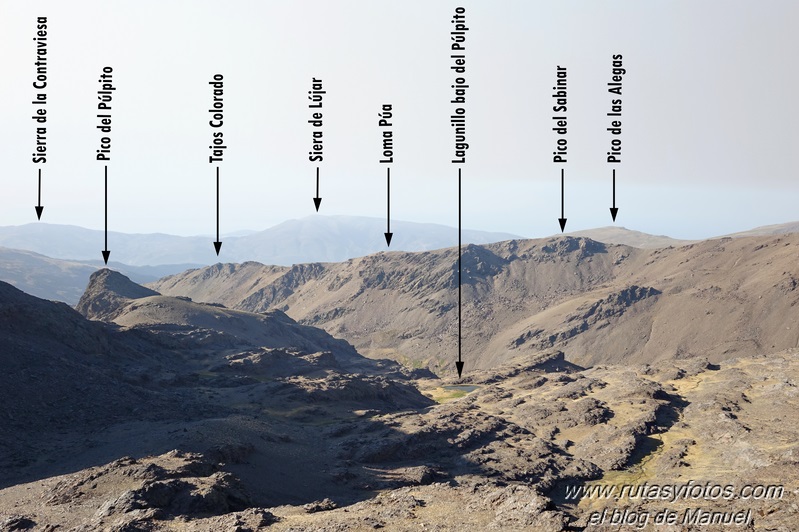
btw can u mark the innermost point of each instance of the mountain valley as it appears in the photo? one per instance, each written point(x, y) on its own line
point(238, 396)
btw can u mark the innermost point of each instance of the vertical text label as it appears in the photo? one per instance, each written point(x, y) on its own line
point(217, 120)
point(105, 96)
point(315, 96)
point(39, 102)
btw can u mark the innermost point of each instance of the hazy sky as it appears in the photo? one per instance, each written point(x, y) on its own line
point(709, 119)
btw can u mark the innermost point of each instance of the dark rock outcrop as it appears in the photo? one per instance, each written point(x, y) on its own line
point(107, 293)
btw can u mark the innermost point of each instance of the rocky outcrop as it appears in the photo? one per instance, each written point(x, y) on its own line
point(130, 491)
point(108, 293)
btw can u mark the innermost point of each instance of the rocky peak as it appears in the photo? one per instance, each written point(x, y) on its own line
point(108, 291)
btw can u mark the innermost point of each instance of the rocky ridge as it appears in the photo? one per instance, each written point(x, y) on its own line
point(598, 303)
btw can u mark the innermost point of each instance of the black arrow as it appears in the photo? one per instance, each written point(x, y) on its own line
point(218, 243)
point(459, 363)
point(562, 218)
point(388, 232)
point(39, 208)
point(613, 210)
point(317, 200)
point(106, 252)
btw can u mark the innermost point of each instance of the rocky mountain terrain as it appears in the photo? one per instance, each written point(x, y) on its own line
point(598, 303)
point(151, 373)
point(199, 403)
point(210, 436)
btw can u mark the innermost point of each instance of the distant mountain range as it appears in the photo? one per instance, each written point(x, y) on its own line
point(312, 239)
point(55, 261)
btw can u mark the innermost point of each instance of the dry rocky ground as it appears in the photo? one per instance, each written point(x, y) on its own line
point(161, 413)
